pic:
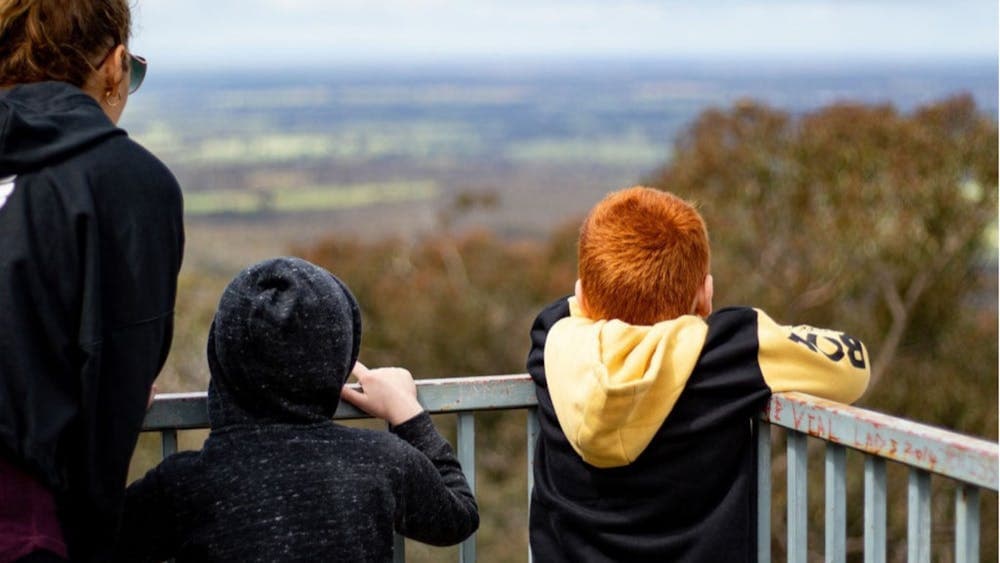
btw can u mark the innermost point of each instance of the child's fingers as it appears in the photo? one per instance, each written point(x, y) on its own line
point(355, 397)
point(359, 370)
point(152, 396)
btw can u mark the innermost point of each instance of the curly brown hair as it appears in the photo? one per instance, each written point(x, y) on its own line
point(58, 39)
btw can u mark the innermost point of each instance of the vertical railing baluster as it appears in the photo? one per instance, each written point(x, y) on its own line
point(918, 517)
point(835, 528)
point(967, 524)
point(763, 492)
point(467, 457)
point(168, 441)
point(168, 446)
point(875, 500)
point(532, 439)
point(398, 548)
point(398, 544)
point(798, 505)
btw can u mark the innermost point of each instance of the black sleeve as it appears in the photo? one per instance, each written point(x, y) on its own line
point(436, 505)
point(549, 316)
point(149, 529)
point(132, 270)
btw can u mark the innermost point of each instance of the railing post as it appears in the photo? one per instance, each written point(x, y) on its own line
point(398, 543)
point(398, 548)
point(875, 499)
point(533, 430)
point(966, 524)
point(918, 517)
point(168, 440)
point(168, 446)
point(798, 503)
point(836, 504)
point(467, 457)
point(763, 492)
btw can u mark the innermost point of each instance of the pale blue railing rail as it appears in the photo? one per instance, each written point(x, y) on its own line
point(971, 462)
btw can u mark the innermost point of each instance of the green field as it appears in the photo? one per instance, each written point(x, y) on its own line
point(309, 198)
point(417, 141)
point(620, 151)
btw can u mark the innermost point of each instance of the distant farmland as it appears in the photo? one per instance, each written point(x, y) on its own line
point(290, 199)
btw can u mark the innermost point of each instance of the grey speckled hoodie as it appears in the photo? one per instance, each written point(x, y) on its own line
point(277, 480)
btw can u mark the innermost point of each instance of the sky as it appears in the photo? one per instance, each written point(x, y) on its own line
point(294, 33)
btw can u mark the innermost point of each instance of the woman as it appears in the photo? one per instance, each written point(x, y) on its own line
point(91, 239)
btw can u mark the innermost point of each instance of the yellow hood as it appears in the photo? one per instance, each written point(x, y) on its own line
point(613, 384)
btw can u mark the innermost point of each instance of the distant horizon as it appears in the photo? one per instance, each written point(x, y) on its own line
point(514, 62)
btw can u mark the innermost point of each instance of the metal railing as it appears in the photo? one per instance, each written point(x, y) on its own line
point(925, 450)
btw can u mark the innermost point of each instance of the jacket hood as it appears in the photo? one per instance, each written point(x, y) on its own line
point(46, 122)
point(613, 384)
point(284, 339)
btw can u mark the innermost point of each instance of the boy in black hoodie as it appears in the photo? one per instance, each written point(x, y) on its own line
point(648, 400)
point(277, 479)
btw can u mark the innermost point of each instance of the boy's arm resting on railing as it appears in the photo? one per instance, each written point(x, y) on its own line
point(434, 502)
point(825, 363)
point(436, 505)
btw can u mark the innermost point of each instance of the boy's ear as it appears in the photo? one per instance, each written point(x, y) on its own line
point(703, 301)
point(580, 300)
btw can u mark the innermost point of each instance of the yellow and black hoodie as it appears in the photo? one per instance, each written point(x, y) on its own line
point(646, 451)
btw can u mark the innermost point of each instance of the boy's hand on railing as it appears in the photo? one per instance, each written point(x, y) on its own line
point(386, 393)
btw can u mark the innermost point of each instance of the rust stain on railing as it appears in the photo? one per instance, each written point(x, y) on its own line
point(914, 444)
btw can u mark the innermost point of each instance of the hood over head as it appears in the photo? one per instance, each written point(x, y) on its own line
point(613, 384)
point(284, 340)
point(46, 122)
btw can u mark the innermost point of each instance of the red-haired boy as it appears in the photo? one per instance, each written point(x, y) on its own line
point(648, 399)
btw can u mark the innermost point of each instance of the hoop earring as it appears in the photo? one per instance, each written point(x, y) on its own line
point(112, 102)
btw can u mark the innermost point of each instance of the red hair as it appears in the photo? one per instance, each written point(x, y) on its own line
point(643, 256)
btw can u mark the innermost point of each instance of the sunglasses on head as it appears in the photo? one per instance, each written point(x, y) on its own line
point(137, 72)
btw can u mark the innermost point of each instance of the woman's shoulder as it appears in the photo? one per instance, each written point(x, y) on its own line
point(123, 172)
point(131, 158)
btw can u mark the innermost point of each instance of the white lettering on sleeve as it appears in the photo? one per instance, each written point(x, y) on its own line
point(6, 188)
